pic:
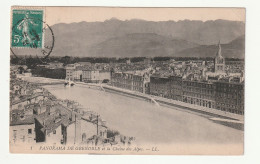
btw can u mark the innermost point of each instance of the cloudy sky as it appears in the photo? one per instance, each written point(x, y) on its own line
point(54, 15)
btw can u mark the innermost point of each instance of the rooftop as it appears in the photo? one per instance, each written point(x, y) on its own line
point(19, 118)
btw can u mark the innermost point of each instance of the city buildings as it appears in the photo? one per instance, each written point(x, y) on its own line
point(22, 127)
point(104, 76)
point(130, 81)
point(221, 95)
point(138, 83)
point(200, 93)
point(70, 68)
point(230, 96)
point(82, 130)
point(175, 88)
point(40, 118)
point(90, 76)
point(211, 84)
point(48, 128)
point(83, 71)
point(159, 86)
point(122, 80)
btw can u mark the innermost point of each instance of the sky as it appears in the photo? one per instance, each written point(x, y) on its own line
point(54, 15)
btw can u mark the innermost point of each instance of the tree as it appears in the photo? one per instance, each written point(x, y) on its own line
point(66, 60)
point(21, 70)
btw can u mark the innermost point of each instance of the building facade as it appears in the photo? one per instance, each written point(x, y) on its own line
point(23, 133)
point(78, 73)
point(138, 83)
point(199, 93)
point(70, 68)
point(129, 81)
point(175, 87)
point(104, 75)
point(159, 86)
point(22, 127)
point(122, 80)
point(89, 75)
point(230, 97)
point(221, 95)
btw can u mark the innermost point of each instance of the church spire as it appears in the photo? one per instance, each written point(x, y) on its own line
point(219, 49)
point(219, 62)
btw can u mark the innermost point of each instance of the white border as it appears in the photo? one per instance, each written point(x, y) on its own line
point(252, 113)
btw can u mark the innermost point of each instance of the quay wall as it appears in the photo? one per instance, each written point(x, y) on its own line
point(209, 112)
point(162, 101)
point(128, 94)
point(181, 105)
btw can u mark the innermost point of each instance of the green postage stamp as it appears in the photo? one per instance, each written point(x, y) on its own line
point(27, 28)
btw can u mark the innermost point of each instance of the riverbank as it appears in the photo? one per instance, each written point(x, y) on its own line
point(149, 123)
point(42, 80)
point(231, 120)
point(220, 117)
point(68, 107)
point(164, 101)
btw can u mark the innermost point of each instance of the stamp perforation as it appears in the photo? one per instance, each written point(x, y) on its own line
point(30, 8)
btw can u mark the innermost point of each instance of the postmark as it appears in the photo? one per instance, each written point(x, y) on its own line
point(30, 34)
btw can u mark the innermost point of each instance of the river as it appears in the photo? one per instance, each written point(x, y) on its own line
point(147, 122)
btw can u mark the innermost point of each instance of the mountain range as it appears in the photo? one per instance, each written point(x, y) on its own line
point(132, 38)
point(140, 44)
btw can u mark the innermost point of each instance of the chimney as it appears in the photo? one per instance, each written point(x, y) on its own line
point(73, 116)
point(48, 109)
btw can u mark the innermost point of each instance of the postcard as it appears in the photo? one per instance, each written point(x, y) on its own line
point(118, 80)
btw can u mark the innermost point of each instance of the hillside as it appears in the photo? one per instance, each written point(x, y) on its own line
point(78, 39)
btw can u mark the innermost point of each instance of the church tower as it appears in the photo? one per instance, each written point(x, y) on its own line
point(219, 62)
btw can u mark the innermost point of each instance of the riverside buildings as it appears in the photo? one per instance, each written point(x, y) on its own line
point(70, 69)
point(130, 81)
point(36, 117)
point(222, 95)
point(84, 72)
point(211, 84)
point(175, 88)
point(217, 83)
point(230, 96)
point(159, 86)
point(200, 93)
point(90, 75)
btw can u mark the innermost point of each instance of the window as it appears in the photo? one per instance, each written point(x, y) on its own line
point(54, 132)
point(29, 131)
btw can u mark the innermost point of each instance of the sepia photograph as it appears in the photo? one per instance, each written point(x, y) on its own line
point(121, 80)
